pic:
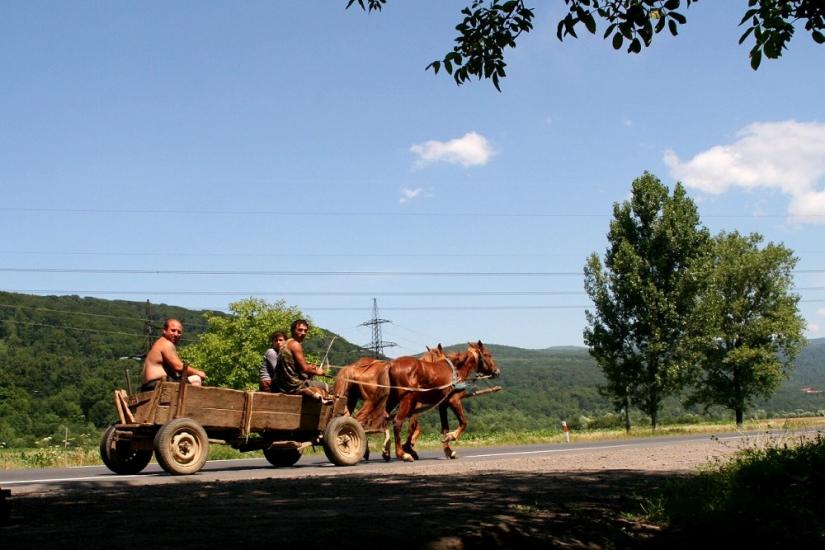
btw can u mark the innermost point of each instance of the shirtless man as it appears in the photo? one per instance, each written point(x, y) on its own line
point(293, 374)
point(163, 361)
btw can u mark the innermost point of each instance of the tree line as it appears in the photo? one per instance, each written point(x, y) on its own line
point(678, 311)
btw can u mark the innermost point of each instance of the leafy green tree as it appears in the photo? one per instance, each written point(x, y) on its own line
point(644, 295)
point(491, 26)
point(749, 326)
point(231, 349)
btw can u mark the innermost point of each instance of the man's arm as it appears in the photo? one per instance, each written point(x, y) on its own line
point(171, 359)
point(298, 354)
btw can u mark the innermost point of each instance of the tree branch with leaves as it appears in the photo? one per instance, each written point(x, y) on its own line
point(489, 27)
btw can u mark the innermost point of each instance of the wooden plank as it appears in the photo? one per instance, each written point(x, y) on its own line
point(127, 416)
point(119, 408)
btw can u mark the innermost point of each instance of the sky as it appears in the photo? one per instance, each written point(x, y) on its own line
point(198, 153)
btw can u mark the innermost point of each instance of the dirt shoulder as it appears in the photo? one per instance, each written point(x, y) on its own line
point(572, 500)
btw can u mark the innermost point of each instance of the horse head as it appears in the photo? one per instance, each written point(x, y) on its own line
point(485, 364)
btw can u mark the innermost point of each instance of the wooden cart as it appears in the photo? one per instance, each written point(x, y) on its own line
point(178, 421)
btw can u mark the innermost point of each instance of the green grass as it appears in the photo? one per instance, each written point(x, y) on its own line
point(769, 493)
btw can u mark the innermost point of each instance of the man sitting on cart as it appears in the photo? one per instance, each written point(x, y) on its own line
point(292, 373)
point(163, 363)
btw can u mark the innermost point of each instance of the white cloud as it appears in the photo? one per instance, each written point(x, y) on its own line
point(408, 194)
point(820, 312)
point(814, 328)
point(627, 121)
point(787, 156)
point(472, 149)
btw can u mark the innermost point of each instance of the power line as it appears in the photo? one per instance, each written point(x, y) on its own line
point(361, 214)
point(79, 329)
point(291, 273)
point(310, 293)
point(314, 273)
point(69, 312)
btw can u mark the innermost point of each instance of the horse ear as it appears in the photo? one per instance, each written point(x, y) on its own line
point(428, 348)
point(480, 345)
point(440, 348)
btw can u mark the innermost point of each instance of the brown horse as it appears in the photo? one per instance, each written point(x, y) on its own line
point(412, 385)
point(418, 385)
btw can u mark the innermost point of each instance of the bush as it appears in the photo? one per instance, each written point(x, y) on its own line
point(771, 493)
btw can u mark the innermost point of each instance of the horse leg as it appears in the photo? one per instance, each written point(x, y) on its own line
point(458, 409)
point(445, 429)
point(412, 437)
point(385, 453)
point(404, 408)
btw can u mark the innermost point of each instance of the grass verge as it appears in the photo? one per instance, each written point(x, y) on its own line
point(770, 494)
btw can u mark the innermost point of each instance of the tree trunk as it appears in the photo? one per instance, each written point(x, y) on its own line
point(627, 413)
point(739, 416)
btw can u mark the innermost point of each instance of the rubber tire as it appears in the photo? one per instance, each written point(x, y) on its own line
point(281, 458)
point(181, 446)
point(345, 441)
point(122, 460)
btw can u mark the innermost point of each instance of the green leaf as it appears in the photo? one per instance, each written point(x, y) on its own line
point(435, 65)
point(756, 58)
point(635, 46)
point(672, 4)
point(678, 17)
point(745, 35)
point(818, 37)
point(609, 30)
point(590, 23)
point(617, 40)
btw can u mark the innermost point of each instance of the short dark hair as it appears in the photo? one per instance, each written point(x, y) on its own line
point(295, 324)
point(274, 335)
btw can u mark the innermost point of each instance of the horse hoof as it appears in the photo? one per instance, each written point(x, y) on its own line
point(367, 454)
point(453, 455)
point(407, 457)
point(386, 457)
point(409, 450)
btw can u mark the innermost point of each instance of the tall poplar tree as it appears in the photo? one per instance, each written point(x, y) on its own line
point(645, 294)
point(749, 326)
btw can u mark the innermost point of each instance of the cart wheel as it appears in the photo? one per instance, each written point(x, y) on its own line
point(181, 446)
point(344, 441)
point(119, 456)
point(282, 457)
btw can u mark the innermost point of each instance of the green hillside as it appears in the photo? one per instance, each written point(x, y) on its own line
point(61, 357)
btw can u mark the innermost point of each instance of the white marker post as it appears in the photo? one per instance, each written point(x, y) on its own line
point(566, 429)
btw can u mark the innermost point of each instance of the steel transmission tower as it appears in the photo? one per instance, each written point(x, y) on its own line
point(377, 345)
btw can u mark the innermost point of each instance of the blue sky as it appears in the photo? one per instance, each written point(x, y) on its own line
point(195, 153)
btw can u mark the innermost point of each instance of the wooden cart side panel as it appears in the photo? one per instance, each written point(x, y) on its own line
point(278, 411)
point(223, 408)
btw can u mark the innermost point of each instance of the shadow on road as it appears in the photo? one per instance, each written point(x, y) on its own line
point(489, 510)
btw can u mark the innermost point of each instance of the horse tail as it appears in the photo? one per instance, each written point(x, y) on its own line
point(373, 415)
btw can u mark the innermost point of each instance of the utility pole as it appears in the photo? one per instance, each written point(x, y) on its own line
point(377, 345)
point(147, 329)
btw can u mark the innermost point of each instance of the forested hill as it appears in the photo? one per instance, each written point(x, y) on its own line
point(561, 382)
point(60, 359)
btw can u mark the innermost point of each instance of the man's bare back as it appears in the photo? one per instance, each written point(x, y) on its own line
point(163, 360)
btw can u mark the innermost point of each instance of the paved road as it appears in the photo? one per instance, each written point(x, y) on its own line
point(315, 463)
